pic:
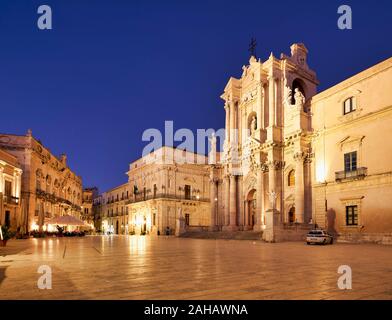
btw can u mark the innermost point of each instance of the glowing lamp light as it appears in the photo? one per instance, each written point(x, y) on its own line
point(321, 173)
point(34, 226)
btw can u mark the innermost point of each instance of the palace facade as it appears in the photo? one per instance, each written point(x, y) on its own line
point(10, 189)
point(89, 194)
point(162, 186)
point(49, 187)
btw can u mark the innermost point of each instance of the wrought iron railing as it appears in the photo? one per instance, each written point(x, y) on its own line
point(55, 199)
point(142, 197)
point(11, 200)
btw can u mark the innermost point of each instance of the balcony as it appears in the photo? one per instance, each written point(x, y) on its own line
point(55, 199)
point(11, 200)
point(163, 196)
point(359, 173)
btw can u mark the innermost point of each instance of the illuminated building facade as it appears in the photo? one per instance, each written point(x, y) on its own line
point(49, 187)
point(10, 189)
point(163, 186)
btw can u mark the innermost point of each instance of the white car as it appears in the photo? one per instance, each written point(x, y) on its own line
point(319, 237)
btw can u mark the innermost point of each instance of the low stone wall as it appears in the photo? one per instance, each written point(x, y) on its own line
point(291, 233)
point(378, 238)
point(196, 228)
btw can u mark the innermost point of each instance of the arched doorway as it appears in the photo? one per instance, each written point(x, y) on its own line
point(117, 227)
point(291, 216)
point(250, 212)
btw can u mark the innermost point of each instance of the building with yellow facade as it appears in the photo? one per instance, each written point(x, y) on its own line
point(10, 190)
point(305, 159)
point(49, 188)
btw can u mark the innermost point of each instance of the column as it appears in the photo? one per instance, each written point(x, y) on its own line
point(227, 123)
point(299, 186)
point(259, 200)
point(17, 183)
point(260, 107)
point(1, 179)
point(233, 202)
point(246, 213)
point(232, 122)
point(271, 98)
point(213, 201)
point(271, 176)
point(227, 201)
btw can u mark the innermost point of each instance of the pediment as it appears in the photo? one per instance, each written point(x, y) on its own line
point(351, 140)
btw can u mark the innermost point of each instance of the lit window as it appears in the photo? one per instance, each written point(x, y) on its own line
point(349, 105)
point(350, 161)
point(352, 215)
point(291, 178)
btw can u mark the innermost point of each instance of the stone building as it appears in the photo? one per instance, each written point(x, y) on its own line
point(302, 158)
point(312, 158)
point(98, 206)
point(163, 186)
point(268, 143)
point(89, 194)
point(10, 188)
point(49, 187)
point(352, 168)
point(114, 212)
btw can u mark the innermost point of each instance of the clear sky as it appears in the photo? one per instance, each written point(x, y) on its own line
point(110, 69)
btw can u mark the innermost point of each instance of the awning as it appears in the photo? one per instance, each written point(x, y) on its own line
point(66, 220)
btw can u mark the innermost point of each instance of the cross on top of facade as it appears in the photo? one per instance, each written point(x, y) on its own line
point(252, 47)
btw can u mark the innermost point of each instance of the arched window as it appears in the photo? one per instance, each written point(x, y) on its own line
point(38, 177)
point(291, 178)
point(48, 183)
point(349, 105)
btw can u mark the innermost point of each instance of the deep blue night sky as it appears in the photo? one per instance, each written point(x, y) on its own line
point(110, 69)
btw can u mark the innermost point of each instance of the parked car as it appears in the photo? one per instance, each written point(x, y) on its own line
point(319, 237)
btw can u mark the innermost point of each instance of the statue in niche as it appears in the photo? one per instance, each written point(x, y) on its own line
point(299, 98)
point(253, 125)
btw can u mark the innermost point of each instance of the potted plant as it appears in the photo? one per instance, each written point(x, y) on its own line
point(7, 234)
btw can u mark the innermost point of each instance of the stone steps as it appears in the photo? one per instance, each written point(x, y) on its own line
point(233, 235)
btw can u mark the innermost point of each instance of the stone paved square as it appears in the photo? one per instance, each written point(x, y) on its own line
point(139, 267)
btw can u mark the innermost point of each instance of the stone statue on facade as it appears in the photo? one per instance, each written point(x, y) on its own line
point(299, 98)
point(272, 198)
point(253, 125)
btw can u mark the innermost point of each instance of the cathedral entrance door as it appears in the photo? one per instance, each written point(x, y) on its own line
point(250, 214)
point(292, 215)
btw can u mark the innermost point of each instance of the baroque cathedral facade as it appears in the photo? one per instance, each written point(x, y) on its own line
point(316, 159)
point(267, 153)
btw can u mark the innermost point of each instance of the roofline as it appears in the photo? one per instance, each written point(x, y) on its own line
point(358, 77)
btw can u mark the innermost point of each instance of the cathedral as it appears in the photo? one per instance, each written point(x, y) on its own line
point(267, 153)
point(310, 159)
point(292, 159)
